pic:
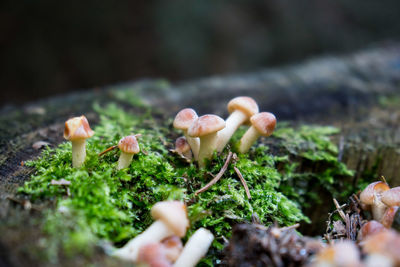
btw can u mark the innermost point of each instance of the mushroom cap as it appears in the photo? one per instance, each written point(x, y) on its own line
point(391, 197)
point(389, 215)
point(386, 242)
point(185, 118)
point(243, 103)
point(77, 128)
point(173, 214)
point(205, 125)
point(173, 247)
point(344, 253)
point(370, 228)
point(375, 188)
point(264, 123)
point(181, 145)
point(129, 144)
point(154, 255)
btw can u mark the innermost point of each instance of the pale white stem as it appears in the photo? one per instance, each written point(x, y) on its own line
point(195, 248)
point(207, 147)
point(124, 160)
point(194, 143)
point(156, 232)
point(378, 208)
point(78, 152)
point(248, 139)
point(232, 123)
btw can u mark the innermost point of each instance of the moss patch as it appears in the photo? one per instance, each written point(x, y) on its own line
point(103, 203)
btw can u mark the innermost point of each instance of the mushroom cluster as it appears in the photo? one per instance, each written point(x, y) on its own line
point(77, 130)
point(209, 133)
point(160, 243)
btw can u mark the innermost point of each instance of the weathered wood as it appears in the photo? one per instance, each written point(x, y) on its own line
point(357, 93)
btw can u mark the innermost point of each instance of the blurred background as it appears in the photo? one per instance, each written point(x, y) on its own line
point(53, 47)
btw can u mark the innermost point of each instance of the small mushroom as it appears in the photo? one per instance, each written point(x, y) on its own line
point(77, 130)
point(385, 243)
point(182, 147)
point(171, 219)
point(343, 254)
point(153, 255)
point(370, 228)
point(182, 121)
point(195, 248)
point(370, 198)
point(206, 128)
point(173, 247)
point(262, 124)
point(388, 217)
point(241, 109)
point(129, 146)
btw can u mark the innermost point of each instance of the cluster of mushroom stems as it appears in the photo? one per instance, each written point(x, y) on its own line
point(209, 133)
point(379, 243)
point(160, 244)
point(77, 130)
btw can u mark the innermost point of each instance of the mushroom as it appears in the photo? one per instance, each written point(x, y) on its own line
point(129, 147)
point(195, 248)
point(389, 215)
point(241, 109)
point(370, 228)
point(171, 219)
point(182, 147)
point(182, 121)
point(343, 254)
point(206, 128)
point(77, 130)
point(173, 247)
point(153, 255)
point(262, 124)
point(385, 243)
point(370, 198)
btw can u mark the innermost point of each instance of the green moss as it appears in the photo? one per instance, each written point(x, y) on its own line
point(103, 203)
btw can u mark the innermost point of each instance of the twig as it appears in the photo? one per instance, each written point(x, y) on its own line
point(383, 179)
point(218, 176)
point(108, 150)
point(294, 226)
point(339, 209)
point(246, 188)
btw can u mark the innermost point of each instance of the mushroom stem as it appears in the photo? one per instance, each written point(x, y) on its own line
point(247, 140)
point(207, 147)
point(194, 143)
point(156, 232)
point(78, 152)
point(124, 160)
point(233, 122)
point(195, 248)
point(378, 208)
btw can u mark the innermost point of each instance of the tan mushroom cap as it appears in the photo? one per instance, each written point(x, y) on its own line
point(391, 197)
point(153, 254)
point(77, 128)
point(173, 214)
point(181, 145)
point(185, 118)
point(129, 144)
point(205, 125)
point(243, 103)
point(264, 123)
point(371, 227)
point(367, 195)
point(386, 242)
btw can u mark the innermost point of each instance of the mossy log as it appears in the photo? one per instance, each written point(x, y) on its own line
point(358, 93)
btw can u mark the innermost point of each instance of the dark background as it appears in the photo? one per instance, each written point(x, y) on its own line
point(52, 47)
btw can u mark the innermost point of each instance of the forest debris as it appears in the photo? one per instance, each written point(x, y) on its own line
point(60, 182)
point(40, 144)
point(107, 150)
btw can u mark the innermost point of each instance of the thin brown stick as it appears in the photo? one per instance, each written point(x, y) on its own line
point(107, 150)
point(383, 179)
point(218, 176)
point(339, 209)
point(246, 188)
point(294, 226)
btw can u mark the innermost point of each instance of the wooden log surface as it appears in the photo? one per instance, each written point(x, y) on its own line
point(359, 93)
